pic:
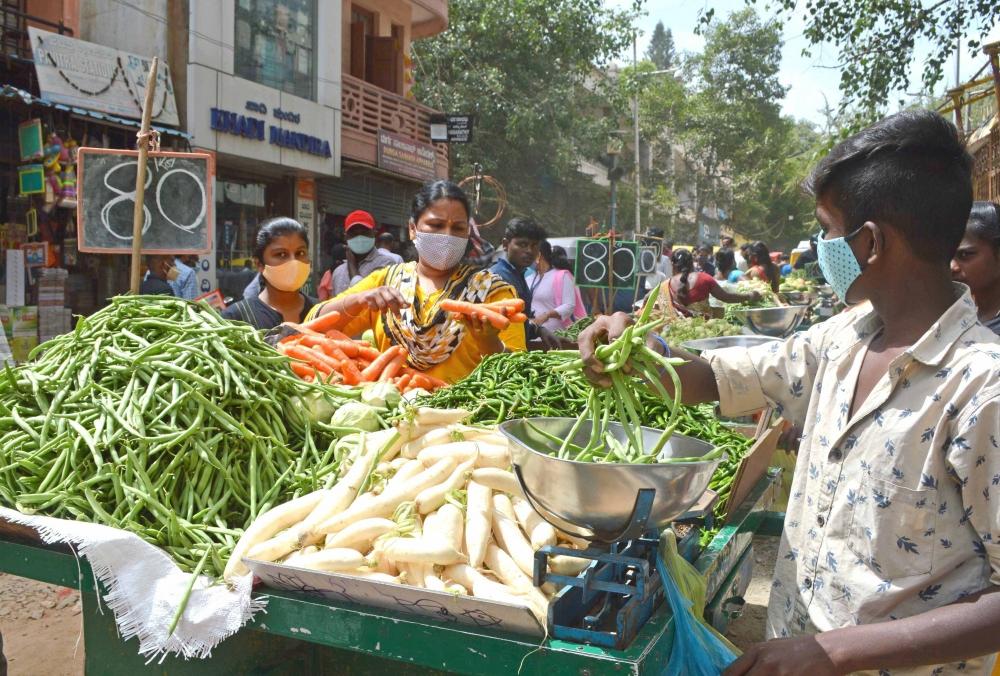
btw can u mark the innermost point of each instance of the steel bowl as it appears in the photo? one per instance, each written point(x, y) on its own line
point(722, 342)
point(596, 500)
point(777, 322)
point(797, 297)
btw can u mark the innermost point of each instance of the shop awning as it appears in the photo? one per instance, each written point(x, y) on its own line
point(13, 93)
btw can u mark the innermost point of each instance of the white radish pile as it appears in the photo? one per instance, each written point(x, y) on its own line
point(430, 504)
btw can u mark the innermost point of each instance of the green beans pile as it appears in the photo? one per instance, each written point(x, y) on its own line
point(572, 332)
point(159, 417)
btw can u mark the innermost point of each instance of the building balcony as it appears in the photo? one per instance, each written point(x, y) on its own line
point(367, 109)
point(430, 17)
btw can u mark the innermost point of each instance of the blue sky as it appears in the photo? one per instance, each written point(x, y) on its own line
point(810, 79)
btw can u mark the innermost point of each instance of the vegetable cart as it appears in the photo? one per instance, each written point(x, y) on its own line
point(303, 634)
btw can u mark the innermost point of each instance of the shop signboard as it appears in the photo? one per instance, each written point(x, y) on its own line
point(177, 207)
point(405, 156)
point(88, 75)
point(452, 128)
point(601, 263)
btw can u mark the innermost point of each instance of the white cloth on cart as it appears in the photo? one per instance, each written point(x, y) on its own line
point(144, 588)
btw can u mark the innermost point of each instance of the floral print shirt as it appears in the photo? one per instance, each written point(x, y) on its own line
point(894, 510)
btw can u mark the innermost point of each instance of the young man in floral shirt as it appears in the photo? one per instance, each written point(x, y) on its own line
point(890, 557)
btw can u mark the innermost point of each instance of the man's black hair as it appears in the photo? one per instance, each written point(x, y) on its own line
point(520, 226)
point(387, 237)
point(911, 172)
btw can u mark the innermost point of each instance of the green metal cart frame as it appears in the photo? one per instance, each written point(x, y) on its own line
point(300, 635)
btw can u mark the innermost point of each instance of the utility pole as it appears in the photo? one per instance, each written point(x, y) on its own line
point(635, 124)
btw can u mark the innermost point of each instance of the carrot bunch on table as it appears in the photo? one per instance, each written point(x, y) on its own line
point(321, 352)
point(499, 313)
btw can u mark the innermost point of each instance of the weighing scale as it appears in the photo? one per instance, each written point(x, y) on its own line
point(621, 509)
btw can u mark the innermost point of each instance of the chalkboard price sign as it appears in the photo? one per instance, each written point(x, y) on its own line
point(597, 265)
point(649, 256)
point(177, 206)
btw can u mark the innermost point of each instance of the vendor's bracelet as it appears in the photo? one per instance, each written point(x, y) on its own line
point(662, 341)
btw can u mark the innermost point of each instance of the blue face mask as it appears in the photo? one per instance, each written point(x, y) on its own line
point(361, 244)
point(838, 262)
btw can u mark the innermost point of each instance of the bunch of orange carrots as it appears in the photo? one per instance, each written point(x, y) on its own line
point(318, 351)
point(499, 313)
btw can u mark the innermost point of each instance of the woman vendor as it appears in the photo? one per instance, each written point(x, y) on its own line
point(977, 261)
point(401, 303)
point(282, 255)
point(688, 287)
point(762, 267)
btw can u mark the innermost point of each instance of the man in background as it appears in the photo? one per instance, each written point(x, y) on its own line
point(363, 257)
point(161, 273)
point(186, 284)
point(386, 243)
point(520, 244)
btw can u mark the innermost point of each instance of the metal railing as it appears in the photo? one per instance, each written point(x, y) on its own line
point(367, 108)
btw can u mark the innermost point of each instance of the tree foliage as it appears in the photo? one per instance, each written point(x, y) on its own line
point(739, 153)
point(661, 48)
point(877, 40)
point(526, 69)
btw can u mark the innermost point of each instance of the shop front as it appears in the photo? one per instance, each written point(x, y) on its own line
point(71, 94)
point(268, 113)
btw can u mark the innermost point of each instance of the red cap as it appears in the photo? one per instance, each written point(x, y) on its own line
point(359, 218)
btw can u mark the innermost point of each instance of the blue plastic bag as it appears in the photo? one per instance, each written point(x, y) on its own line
point(697, 649)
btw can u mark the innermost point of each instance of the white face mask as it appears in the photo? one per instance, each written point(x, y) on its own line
point(440, 251)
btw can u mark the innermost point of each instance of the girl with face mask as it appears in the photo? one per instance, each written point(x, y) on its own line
point(282, 256)
point(400, 304)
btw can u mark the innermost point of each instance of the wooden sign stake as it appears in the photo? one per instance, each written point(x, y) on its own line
point(140, 177)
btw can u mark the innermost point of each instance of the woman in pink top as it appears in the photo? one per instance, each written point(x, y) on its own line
point(555, 300)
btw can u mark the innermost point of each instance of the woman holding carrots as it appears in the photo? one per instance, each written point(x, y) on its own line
point(282, 256)
point(439, 316)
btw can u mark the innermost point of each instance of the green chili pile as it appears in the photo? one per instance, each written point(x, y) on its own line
point(159, 417)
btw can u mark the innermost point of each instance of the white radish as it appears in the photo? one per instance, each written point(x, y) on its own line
point(432, 581)
point(397, 463)
point(384, 504)
point(486, 455)
point(484, 588)
point(411, 469)
point(497, 479)
point(508, 534)
point(540, 532)
point(577, 543)
point(411, 573)
point(331, 560)
point(361, 534)
point(439, 417)
point(567, 565)
point(430, 499)
point(266, 525)
point(478, 521)
point(498, 561)
point(344, 491)
point(421, 550)
point(290, 559)
point(449, 525)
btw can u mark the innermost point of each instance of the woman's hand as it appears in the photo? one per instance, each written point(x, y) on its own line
point(485, 331)
point(380, 299)
point(604, 330)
